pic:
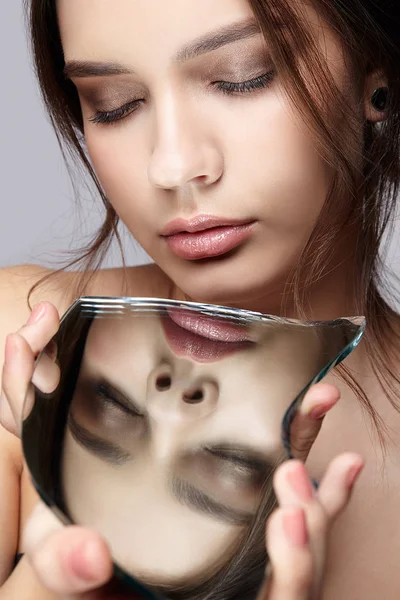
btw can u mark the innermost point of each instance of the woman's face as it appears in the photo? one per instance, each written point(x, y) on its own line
point(188, 128)
point(172, 435)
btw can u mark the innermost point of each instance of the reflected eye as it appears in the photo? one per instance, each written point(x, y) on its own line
point(260, 82)
point(111, 116)
point(102, 448)
point(240, 462)
point(110, 397)
point(98, 400)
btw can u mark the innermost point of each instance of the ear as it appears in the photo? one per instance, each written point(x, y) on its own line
point(374, 81)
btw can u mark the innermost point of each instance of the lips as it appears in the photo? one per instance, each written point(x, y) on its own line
point(206, 236)
point(205, 339)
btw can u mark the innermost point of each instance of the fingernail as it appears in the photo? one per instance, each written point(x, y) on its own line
point(353, 474)
point(300, 482)
point(87, 562)
point(36, 314)
point(295, 527)
point(11, 350)
point(320, 411)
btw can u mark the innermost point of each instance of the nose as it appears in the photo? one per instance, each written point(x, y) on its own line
point(183, 150)
point(179, 399)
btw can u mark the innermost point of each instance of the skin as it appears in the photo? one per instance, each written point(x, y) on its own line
point(189, 150)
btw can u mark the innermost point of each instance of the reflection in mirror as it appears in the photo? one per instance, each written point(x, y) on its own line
point(160, 425)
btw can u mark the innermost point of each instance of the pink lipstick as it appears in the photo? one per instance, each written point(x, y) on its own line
point(206, 236)
point(204, 339)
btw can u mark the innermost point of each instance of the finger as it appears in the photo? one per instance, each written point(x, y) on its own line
point(42, 325)
point(292, 485)
point(46, 375)
point(306, 425)
point(338, 482)
point(68, 560)
point(17, 373)
point(41, 524)
point(6, 416)
point(290, 556)
point(21, 349)
point(293, 488)
point(46, 378)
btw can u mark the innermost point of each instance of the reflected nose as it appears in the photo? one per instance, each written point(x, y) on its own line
point(183, 152)
point(176, 399)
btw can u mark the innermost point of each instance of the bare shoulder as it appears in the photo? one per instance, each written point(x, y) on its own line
point(15, 286)
point(61, 289)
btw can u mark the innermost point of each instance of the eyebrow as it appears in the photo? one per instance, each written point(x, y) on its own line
point(207, 43)
point(221, 37)
point(193, 498)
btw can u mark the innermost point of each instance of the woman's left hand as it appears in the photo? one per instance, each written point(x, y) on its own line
point(298, 531)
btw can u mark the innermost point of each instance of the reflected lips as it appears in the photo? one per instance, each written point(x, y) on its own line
point(202, 338)
point(206, 236)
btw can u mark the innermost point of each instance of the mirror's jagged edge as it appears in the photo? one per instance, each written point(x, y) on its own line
point(340, 357)
point(97, 306)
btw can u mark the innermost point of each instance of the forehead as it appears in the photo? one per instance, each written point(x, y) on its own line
point(96, 29)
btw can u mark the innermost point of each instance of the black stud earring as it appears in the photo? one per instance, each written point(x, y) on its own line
point(379, 99)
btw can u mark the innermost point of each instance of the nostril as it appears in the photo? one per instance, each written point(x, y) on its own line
point(194, 397)
point(163, 383)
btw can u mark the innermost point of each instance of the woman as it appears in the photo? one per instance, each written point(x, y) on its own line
point(252, 150)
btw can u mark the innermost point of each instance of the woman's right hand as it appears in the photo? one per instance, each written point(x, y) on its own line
point(298, 531)
point(75, 562)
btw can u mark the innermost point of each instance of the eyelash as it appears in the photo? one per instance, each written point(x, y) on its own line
point(110, 116)
point(248, 463)
point(103, 393)
point(226, 87)
point(244, 87)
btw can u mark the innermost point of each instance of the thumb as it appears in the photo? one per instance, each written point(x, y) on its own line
point(307, 423)
point(291, 566)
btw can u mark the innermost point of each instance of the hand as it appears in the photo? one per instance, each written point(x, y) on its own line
point(297, 532)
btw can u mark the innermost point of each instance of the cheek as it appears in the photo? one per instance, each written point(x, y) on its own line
point(120, 160)
point(270, 153)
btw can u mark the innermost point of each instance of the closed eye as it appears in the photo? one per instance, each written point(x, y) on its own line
point(107, 393)
point(188, 495)
point(244, 461)
point(111, 116)
point(229, 88)
point(103, 449)
point(242, 87)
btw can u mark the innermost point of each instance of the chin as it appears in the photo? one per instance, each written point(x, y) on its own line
point(229, 286)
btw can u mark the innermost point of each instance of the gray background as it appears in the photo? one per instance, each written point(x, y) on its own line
point(40, 216)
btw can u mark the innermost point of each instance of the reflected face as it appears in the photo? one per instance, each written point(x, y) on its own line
point(189, 127)
point(173, 433)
